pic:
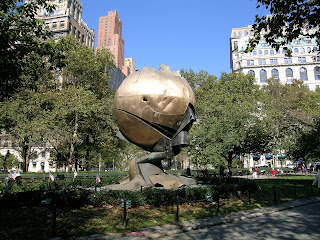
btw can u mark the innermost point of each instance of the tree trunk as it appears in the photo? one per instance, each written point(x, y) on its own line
point(229, 164)
point(25, 153)
point(74, 136)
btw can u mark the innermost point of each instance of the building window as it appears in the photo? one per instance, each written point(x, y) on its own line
point(263, 76)
point(235, 44)
point(309, 49)
point(302, 50)
point(287, 60)
point(234, 34)
point(252, 62)
point(251, 72)
point(47, 26)
point(61, 25)
point(271, 52)
point(273, 61)
point(262, 62)
point(248, 62)
point(260, 52)
point(275, 74)
point(254, 52)
point(301, 59)
point(296, 50)
point(308, 41)
point(289, 75)
point(317, 73)
point(54, 26)
point(239, 34)
point(303, 74)
point(265, 52)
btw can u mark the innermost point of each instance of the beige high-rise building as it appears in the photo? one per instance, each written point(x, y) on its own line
point(109, 36)
point(129, 62)
point(67, 20)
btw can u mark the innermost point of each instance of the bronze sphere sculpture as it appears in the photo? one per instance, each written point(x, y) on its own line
point(155, 111)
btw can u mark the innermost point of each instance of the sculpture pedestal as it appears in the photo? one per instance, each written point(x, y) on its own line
point(147, 172)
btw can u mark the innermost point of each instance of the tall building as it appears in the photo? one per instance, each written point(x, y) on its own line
point(67, 20)
point(129, 62)
point(109, 36)
point(264, 62)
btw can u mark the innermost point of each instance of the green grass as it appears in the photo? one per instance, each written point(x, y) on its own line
point(286, 189)
point(36, 222)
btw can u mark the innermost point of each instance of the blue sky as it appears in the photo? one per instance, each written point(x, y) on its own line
point(180, 33)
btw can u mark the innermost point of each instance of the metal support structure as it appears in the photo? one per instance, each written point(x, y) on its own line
point(177, 211)
point(274, 195)
point(125, 222)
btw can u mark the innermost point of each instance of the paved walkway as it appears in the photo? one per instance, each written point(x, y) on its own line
point(186, 226)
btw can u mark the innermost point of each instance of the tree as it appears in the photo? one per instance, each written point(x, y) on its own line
point(196, 79)
point(226, 120)
point(22, 45)
point(288, 21)
point(81, 120)
point(73, 117)
point(285, 112)
point(26, 115)
point(306, 143)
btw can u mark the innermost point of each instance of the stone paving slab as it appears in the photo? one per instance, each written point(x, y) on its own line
point(185, 226)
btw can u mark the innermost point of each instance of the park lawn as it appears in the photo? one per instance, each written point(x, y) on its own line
point(286, 189)
point(36, 222)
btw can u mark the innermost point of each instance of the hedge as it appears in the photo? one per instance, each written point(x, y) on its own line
point(76, 194)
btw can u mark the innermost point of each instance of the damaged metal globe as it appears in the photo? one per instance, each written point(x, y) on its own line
point(155, 111)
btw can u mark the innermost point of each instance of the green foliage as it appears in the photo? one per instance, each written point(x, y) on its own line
point(23, 46)
point(288, 20)
point(307, 145)
point(77, 117)
point(77, 193)
point(227, 120)
point(286, 112)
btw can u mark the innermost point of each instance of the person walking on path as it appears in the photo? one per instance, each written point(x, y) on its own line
point(273, 172)
point(317, 180)
point(254, 174)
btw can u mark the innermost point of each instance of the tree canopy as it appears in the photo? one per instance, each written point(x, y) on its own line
point(227, 123)
point(22, 45)
point(288, 21)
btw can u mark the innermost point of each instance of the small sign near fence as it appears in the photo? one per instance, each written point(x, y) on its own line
point(209, 198)
point(128, 203)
